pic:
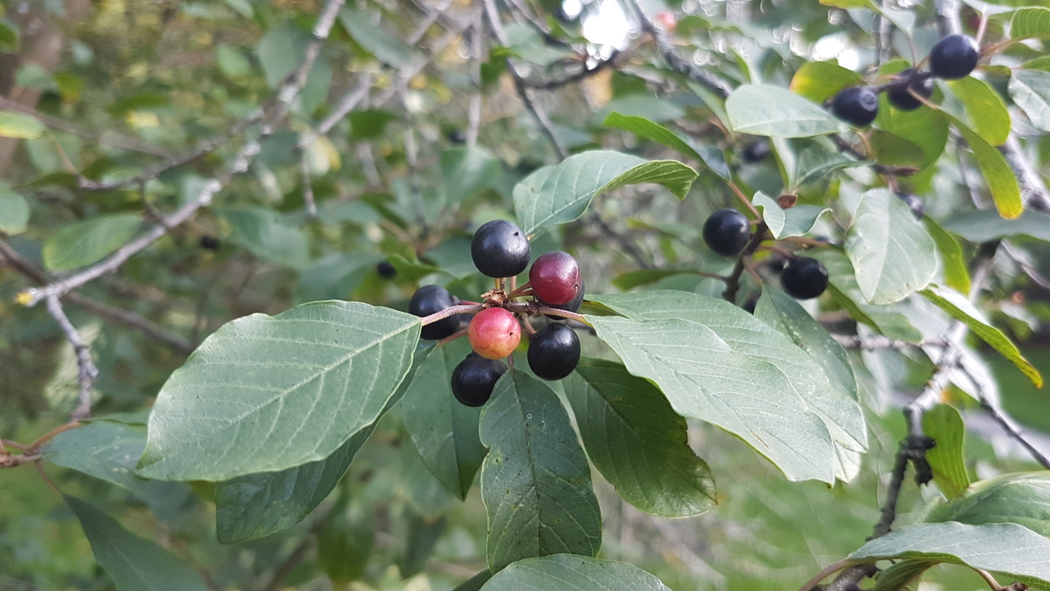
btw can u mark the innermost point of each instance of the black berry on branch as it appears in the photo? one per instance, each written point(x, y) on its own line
point(727, 232)
point(901, 98)
point(474, 378)
point(954, 57)
point(431, 299)
point(857, 106)
point(500, 249)
point(804, 278)
point(554, 351)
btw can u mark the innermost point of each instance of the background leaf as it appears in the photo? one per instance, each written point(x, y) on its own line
point(566, 572)
point(1030, 89)
point(267, 235)
point(19, 126)
point(1019, 498)
point(985, 109)
point(103, 449)
point(956, 275)
point(1002, 183)
point(820, 81)
point(467, 172)
point(1033, 21)
point(776, 112)
point(642, 127)
point(87, 242)
point(14, 211)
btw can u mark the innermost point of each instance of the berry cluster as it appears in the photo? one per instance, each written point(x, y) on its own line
point(953, 57)
point(500, 249)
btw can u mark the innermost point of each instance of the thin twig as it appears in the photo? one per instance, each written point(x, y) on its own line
point(86, 370)
point(575, 77)
point(1004, 421)
point(476, 48)
point(733, 281)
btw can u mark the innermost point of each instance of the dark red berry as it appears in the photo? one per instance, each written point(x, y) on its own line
point(386, 270)
point(555, 278)
point(474, 378)
point(857, 106)
point(756, 151)
point(804, 278)
point(210, 242)
point(500, 249)
point(431, 299)
point(954, 57)
point(494, 333)
point(554, 351)
point(574, 305)
point(901, 98)
point(727, 232)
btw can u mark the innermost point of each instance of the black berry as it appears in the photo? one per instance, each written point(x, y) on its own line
point(857, 106)
point(386, 270)
point(804, 278)
point(456, 136)
point(953, 57)
point(727, 232)
point(210, 242)
point(756, 151)
point(914, 204)
point(901, 98)
point(500, 249)
point(555, 278)
point(474, 378)
point(431, 299)
point(554, 351)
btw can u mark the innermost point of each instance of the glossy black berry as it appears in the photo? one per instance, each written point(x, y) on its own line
point(554, 351)
point(901, 98)
point(857, 106)
point(431, 299)
point(954, 57)
point(474, 378)
point(914, 204)
point(500, 249)
point(726, 232)
point(210, 242)
point(804, 278)
point(386, 270)
point(756, 151)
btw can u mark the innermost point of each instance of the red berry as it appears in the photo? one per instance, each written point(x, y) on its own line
point(555, 278)
point(494, 333)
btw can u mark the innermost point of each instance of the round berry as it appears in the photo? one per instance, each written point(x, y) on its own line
point(857, 106)
point(431, 299)
point(474, 378)
point(500, 249)
point(210, 242)
point(756, 151)
point(555, 278)
point(386, 270)
point(554, 351)
point(954, 57)
point(572, 306)
point(900, 97)
point(727, 232)
point(914, 204)
point(494, 333)
point(804, 278)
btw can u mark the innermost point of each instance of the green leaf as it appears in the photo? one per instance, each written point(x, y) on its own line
point(891, 251)
point(632, 279)
point(267, 235)
point(956, 275)
point(384, 46)
point(9, 36)
point(696, 349)
point(369, 124)
point(712, 157)
point(961, 309)
point(1030, 89)
point(19, 126)
point(848, 4)
point(565, 572)
point(891, 149)
point(476, 582)
point(815, 162)
point(86, 242)
point(561, 194)
point(344, 544)
point(105, 450)
point(643, 104)
point(984, 108)
point(637, 441)
point(982, 226)
point(795, 221)
point(298, 385)
point(777, 112)
point(134, 563)
point(535, 481)
point(924, 127)
point(1020, 498)
point(1030, 22)
point(1004, 548)
point(444, 431)
point(820, 81)
point(467, 171)
point(1002, 183)
point(14, 211)
point(944, 424)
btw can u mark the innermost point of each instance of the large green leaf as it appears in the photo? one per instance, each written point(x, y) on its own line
point(1021, 498)
point(566, 572)
point(568, 188)
point(777, 112)
point(819, 81)
point(267, 235)
point(1030, 22)
point(134, 563)
point(795, 221)
point(103, 449)
point(944, 424)
point(1002, 183)
point(985, 109)
point(956, 275)
point(535, 481)
point(1005, 548)
point(715, 362)
point(467, 171)
point(961, 309)
point(444, 431)
point(83, 243)
point(982, 226)
point(924, 127)
point(1030, 89)
point(711, 156)
point(298, 385)
point(638, 442)
point(891, 251)
point(19, 126)
point(14, 211)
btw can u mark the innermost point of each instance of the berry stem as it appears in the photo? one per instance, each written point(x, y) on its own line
point(733, 284)
point(450, 311)
point(743, 199)
point(563, 314)
point(459, 333)
point(524, 290)
point(526, 324)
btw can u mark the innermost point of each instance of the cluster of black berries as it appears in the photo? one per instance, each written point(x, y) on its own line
point(501, 250)
point(953, 57)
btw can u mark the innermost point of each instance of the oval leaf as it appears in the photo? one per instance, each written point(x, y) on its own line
point(535, 481)
point(566, 572)
point(1030, 89)
point(944, 424)
point(105, 450)
point(88, 241)
point(19, 126)
point(776, 112)
point(14, 212)
point(1020, 498)
point(956, 275)
point(638, 442)
point(820, 81)
point(298, 385)
point(984, 108)
point(1002, 183)
point(711, 156)
point(1030, 22)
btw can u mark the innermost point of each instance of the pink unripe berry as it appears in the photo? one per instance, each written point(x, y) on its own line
point(494, 333)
